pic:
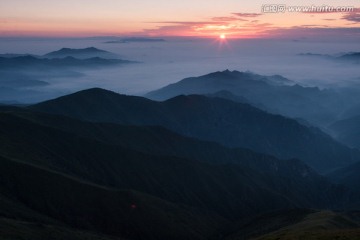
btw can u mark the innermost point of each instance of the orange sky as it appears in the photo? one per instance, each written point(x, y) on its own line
point(171, 18)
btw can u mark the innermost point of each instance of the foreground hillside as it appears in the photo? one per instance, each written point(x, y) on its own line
point(71, 202)
point(99, 169)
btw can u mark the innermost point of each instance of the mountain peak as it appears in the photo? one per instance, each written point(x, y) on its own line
point(225, 72)
point(93, 93)
point(71, 50)
point(93, 48)
point(88, 52)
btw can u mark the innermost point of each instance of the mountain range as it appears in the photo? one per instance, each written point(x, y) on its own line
point(274, 94)
point(107, 179)
point(96, 164)
point(220, 120)
point(352, 57)
point(347, 131)
point(24, 76)
point(32, 63)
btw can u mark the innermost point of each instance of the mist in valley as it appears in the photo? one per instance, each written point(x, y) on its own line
point(169, 61)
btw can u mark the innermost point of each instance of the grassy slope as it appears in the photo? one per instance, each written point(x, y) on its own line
point(254, 176)
point(88, 206)
point(231, 191)
point(321, 225)
point(11, 229)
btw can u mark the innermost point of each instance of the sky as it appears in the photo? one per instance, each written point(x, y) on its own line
point(196, 18)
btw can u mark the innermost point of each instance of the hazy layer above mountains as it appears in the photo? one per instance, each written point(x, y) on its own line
point(171, 60)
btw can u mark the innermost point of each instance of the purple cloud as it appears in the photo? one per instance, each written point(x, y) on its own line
point(228, 19)
point(352, 17)
point(249, 15)
point(315, 32)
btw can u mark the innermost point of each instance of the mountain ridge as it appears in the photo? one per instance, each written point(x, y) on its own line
point(277, 94)
point(211, 119)
point(88, 52)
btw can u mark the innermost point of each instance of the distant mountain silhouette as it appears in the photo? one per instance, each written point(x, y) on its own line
point(277, 94)
point(214, 119)
point(351, 57)
point(309, 54)
point(31, 63)
point(81, 53)
point(12, 55)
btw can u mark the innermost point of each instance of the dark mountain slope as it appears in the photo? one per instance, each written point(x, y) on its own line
point(229, 95)
point(266, 223)
point(323, 225)
point(14, 229)
point(348, 176)
point(213, 119)
point(351, 112)
point(116, 212)
point(159, 141)
point(347, 131)
point(231, 190)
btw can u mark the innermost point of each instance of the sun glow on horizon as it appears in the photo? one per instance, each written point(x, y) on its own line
point(222, 20)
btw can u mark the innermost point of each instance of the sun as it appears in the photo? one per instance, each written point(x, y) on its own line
point(222, 36)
